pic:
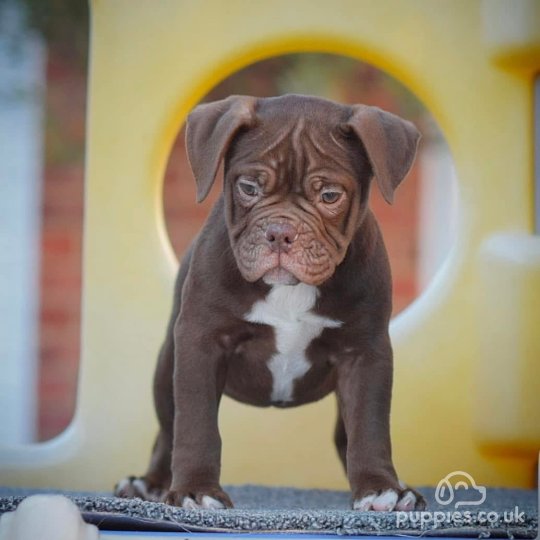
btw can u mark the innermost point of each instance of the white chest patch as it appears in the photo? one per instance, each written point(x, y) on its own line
point(288, 309)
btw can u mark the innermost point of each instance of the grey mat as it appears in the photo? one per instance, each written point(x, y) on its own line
point(264, 509)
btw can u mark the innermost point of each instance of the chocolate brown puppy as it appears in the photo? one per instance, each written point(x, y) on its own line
point(285, 296)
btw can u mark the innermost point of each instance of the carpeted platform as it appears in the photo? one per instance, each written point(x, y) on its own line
point(264, 509)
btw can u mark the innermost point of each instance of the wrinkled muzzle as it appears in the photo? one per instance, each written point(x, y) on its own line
point(285, 251)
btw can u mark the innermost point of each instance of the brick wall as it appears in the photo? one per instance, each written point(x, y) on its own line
point(61, 242)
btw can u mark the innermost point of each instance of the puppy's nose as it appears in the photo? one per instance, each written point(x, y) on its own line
point(281, 236)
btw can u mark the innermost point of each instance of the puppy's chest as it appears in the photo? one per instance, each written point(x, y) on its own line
point(289, 310)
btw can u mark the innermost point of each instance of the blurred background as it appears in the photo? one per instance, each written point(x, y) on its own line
point(43, 79)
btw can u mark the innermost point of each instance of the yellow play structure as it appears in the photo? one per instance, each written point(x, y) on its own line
point(467, 351)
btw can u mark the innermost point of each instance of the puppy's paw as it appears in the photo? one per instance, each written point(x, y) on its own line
point(403, 499)
point(213, 498)
point(133, 487)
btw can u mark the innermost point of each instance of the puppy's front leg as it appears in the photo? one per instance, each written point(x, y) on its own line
point(364, 391)
point(199, 378)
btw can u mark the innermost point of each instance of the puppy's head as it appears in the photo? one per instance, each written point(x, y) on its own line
point(297, 175)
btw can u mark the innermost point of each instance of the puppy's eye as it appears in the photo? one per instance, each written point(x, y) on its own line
point(330, 197)
point(249, 189)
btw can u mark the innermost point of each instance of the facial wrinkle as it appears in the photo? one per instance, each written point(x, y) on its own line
point(337, 142)
point(322, 154)
point(297, 167)
point(282, 135)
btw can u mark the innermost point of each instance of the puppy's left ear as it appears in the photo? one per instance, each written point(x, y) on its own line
point(390, 143)
point(211, 128)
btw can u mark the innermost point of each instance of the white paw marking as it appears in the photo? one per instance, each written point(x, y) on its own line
point(123, 484)
point(206, 502)
point(140, 487)
point(133, 487)
point(364, 503)
point(288, 309)
point(386, 501)
point(407, 502)
point(189, 504)
point(210, 502)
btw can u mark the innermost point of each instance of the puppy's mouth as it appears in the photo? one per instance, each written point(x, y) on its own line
point(307, 259)
point(280, 276)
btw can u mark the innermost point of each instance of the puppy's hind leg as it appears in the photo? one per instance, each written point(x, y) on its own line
point(340, 439)
point(155, 483)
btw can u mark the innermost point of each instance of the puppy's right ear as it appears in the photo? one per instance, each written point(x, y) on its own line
point(210, 130)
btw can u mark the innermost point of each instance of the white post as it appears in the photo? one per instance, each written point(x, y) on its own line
point(22, 80)
point(438, 209)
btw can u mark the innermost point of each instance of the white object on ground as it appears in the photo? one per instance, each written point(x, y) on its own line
point(47, 517)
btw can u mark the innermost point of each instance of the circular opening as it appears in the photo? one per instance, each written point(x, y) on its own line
point(418, 228)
